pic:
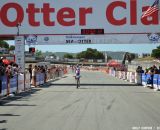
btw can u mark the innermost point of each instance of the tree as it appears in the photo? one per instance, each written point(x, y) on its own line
point(109, 58)
point(156, 52)
point(11, 48)
point(38, 53)
point(130, 57)
point(90, 54)
point(4, 44)
point(69, 56)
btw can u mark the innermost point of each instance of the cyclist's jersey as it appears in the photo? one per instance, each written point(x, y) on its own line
point(77, 72)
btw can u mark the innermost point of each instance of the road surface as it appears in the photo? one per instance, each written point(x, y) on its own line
point(102, 103)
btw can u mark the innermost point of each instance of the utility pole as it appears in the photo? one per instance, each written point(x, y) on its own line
point(18, 25)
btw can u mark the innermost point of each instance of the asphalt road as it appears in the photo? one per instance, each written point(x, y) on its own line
point(101, 103)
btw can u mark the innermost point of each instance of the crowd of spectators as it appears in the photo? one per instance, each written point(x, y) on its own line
point(151, 70)
point(7, 68)
point(49, 72)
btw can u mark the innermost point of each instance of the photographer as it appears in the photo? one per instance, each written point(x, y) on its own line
point(2, 72)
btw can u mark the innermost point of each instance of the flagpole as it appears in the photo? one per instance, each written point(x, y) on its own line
point(158, 13)
point(158, 17)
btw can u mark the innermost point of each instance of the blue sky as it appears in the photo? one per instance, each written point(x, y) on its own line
point(135, 48)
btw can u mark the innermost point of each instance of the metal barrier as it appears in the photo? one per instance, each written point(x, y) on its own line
point(13, 84)
point(40, 78)
point(27, 81)
point(22, 82)
point(138, 78)
point(155, 81)
point(146, 80)
point(4, 84)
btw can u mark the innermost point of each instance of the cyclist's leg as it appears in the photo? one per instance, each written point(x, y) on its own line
point(77, 82)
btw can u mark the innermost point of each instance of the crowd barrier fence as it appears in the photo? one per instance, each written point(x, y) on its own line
point(145, 80)
point(22, 82)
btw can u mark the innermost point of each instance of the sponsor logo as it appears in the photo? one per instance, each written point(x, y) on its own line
point(31, 39)
point(46, 39)
point(154, 37)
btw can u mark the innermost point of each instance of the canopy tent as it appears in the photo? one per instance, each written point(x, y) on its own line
point(114, 63)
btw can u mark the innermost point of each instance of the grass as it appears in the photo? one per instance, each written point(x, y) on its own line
point(149, 58)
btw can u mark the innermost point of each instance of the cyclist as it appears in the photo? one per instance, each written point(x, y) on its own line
point(77, 77)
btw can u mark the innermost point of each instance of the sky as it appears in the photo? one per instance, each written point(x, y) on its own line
point(134, 48)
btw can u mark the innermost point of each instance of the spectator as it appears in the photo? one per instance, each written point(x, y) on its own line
point(34, 71)
point(2, 72)
point(139, 69)
point(159, 70)
point(30, 71)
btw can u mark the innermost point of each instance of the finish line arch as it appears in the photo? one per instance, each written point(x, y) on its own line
point(72, 18)
point(77, 22)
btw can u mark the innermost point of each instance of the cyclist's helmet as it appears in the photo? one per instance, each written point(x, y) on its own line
point(77, 67)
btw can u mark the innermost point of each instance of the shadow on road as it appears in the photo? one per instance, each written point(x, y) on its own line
point(85, 84)
point(49, 83)
point(111, 104)
point(3, 121)
point(8, 115)
point(18, 105)
point(18, 96)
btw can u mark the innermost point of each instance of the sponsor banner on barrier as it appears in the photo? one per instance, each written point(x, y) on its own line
point(13, 84)
point(155, 81)
point(21, 82)
point(37, 79)
point(40, 78)
point(138, 78)
point(119, 74)
point(27, 81)
point(149, 80)
point(144, 79)
point(128, 76)
point(132, 77)
point(159, 82)
point(113, 73)
point(124, 75)
point(4, 85)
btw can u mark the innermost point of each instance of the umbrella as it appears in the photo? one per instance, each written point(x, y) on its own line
point(5, 61)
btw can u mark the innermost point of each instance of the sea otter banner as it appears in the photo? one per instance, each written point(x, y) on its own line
point(64, 17)
point(92, 39)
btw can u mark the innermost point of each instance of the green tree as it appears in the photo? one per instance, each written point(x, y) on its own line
point(90, 54)
point(69, 56)
point(109, 58)
point(38, 53)
point(156, 52)
point(128, 56)
point(4, 44)
point(11, 48)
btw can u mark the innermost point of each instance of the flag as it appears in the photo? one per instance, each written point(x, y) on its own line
point(152, 9)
